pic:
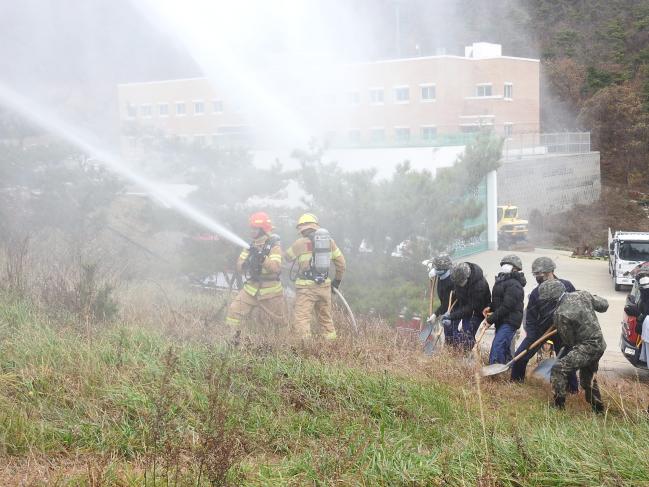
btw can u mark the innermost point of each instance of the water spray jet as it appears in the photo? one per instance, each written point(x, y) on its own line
point(85, 141)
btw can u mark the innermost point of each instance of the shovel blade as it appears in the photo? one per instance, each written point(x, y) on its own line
point(429, 347)
point(495, 369)
point(425, 332)
point(542, 371)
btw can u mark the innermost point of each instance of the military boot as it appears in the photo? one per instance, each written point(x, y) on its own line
point(559, 402)
point(594, 397)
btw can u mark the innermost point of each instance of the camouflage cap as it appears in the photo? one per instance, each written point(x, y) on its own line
point(442, 262)
point(513, 260)
point(460, 274)
point(551, 290)
point(543, 264)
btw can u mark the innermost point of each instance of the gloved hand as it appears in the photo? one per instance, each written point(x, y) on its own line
point(446, 319)
point(432, 274)
point(431, 318)
point(335, 283)
point(491, 318)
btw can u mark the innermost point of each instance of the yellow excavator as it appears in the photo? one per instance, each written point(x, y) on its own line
point(510, 227)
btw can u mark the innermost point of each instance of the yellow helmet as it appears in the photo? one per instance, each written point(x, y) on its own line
point(308, 220)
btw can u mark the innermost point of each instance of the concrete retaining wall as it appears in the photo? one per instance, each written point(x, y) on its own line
point(549, 183)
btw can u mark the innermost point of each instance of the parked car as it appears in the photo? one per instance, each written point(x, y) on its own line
point(629, 338)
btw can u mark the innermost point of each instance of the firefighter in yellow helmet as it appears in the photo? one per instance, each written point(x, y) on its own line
point(314, 251)
point(261, 266)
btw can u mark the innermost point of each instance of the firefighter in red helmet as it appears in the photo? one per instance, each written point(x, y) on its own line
point(261, 266)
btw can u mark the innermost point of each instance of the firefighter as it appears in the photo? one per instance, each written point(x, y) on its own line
point(471, 290)
point(537, 322)
point(314, 251)
point(506, 309)
point(261, 265)
point(574, 316)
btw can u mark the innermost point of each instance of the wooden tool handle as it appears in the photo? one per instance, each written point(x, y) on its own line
point(552, 331)
point(451, 303)
point(433, 287)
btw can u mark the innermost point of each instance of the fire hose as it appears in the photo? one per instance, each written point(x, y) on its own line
point(346, 304)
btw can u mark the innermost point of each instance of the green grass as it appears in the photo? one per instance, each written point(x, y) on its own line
point(114, 402)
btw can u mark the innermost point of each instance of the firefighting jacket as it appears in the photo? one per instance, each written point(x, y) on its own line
point(302, 251)
point(267, 283)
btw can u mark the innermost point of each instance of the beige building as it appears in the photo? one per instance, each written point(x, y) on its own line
point(424, 101)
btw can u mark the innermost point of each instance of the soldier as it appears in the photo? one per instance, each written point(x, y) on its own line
point(506, 308)
point(472, 292)
point(537, 322)
point(313, 284)
point(573, 314)
point(442, 270)
point(261, 265)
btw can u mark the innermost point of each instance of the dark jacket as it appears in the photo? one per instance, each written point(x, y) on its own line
point(473, 297)
point(507, 299)
point(640, 309)
point(444, 288)
point(537, 319)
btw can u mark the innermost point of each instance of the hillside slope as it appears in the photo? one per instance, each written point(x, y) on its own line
point(124, 404)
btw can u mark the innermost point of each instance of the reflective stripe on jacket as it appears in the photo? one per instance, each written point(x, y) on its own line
point(302, 251)
point(269, 284)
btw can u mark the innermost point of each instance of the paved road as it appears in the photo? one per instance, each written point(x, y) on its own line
point(590, 275)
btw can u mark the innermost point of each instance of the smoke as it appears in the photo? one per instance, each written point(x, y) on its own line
point(87, 143)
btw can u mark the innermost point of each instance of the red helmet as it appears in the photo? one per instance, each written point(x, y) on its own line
point(261, 220)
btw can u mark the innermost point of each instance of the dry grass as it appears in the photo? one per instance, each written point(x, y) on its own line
point(166, 394)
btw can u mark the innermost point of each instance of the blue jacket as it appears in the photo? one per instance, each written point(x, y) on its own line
point(537, 319)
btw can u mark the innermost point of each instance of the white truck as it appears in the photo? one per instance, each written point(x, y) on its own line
point(626, 251)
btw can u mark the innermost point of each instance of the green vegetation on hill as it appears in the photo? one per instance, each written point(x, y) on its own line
point(118, 404)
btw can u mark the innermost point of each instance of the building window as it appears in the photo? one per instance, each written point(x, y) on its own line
point(131, 111)
point(377, 134)
point(402, 94)
point(217, 106)
point(181, 108)
point(354, 98)
point(508, 91)
point(428, 133)
point(354, 136)
point(428, 93)
point(163, 109)
point(376, 96)
point(145, 110)
point(470, 129)
point(402, 133)
point(508, 129)
point(199, 108)
point(200, 140)
point(483, 89)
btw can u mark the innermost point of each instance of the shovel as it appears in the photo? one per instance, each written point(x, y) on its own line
point(495, 369)
point(542, 371)
point(438, 335)
point(428, 327)
point(474, 357)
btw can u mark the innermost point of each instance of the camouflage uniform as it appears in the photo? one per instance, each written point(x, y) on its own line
point(578, 328)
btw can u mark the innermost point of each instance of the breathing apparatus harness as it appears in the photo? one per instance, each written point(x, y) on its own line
point(252, 266)
point(318, 270)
